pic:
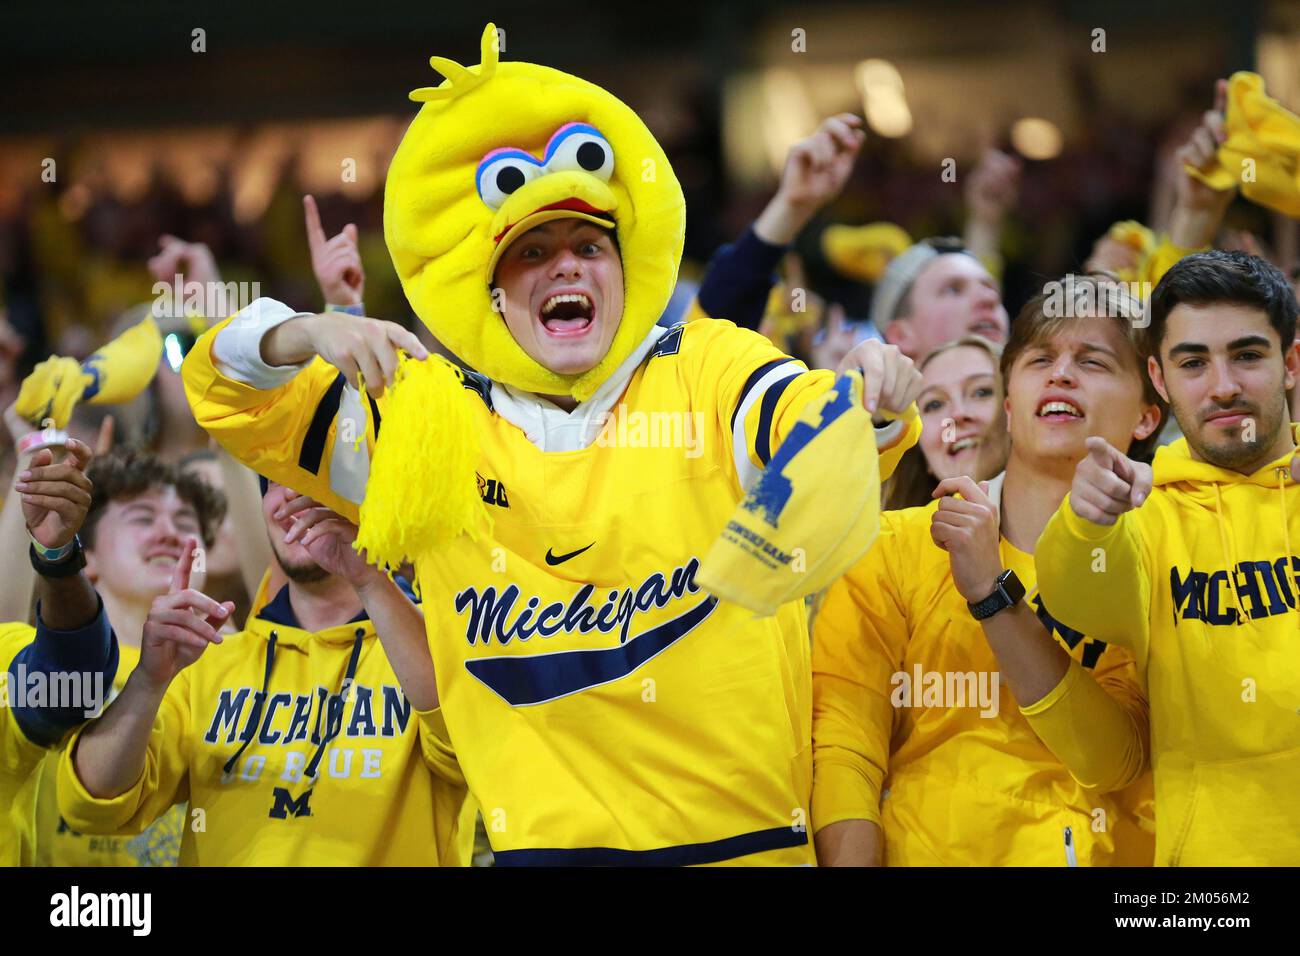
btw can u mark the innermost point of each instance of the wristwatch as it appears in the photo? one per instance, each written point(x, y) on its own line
point(60, 562)
point(1008, 592)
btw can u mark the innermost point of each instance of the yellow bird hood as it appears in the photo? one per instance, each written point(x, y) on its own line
point(499, 148)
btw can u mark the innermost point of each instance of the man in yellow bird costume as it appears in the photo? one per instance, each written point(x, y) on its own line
point(558, 501)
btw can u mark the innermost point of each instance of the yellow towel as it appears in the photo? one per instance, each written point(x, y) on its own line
point(117, 373)
point(812, 514)
point(1262, 151)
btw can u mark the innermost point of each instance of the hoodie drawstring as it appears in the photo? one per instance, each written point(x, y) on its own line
point(256, 717)
point(327, 737)
point(1286, 538)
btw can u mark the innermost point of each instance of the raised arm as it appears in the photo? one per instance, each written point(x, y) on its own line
point(279, 389)
point(73, 635)
point(131, 764)
point(1098, 731)
point(740, 275)
point(328, 537)
point(398, 622)
point(1089, 559)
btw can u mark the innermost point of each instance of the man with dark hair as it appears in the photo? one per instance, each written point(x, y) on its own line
point(1189, 562)
point(141, 511)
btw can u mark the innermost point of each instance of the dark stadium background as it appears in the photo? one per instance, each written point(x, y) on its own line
point(150, 137)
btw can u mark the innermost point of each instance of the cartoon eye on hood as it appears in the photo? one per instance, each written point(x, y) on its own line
point(574, 147)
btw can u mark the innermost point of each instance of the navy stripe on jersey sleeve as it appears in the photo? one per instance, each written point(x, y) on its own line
point(755, 377)
point(766, 412)
point(313, 443)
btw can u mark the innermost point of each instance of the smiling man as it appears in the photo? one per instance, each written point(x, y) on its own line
point(1190, 563)
point(933, 293)
point(603, 706)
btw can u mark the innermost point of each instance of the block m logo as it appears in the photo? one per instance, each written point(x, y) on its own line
point(286, 806)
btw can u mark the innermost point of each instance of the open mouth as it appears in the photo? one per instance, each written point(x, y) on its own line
point(962, 444)
point(161, 559)
point(567, 314)
point(1059, 411)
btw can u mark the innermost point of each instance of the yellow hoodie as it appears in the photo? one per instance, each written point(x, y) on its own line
point(1219, 662)
point(388, 791)
point(969, 781)
point(20, 758)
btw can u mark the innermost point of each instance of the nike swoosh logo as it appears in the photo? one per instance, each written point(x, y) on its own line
point(554, 559)
point(525, 680)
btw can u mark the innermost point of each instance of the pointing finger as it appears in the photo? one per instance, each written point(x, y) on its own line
point(315, 234)
point(181, 574)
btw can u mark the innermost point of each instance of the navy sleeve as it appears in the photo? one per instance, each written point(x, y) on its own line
point(64, 676)
point(739, 279)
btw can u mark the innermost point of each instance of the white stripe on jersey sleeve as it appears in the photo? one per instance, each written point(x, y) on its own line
point(745, 469)
point(350, 460)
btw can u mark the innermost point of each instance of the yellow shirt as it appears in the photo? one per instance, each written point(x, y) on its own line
point(603, 707)
point(950, 768)
point(387, 791)
point(20, 759)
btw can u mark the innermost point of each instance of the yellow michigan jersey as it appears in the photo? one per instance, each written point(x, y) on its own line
point(292, 748)
point(604, 708)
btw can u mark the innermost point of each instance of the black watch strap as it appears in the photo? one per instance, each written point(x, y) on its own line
point(1008, 592)
point(65, 568)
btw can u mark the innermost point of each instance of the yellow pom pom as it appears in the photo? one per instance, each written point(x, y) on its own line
point(423, 489)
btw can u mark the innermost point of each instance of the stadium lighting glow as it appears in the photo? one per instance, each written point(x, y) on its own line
point(883, 101)
point(1036, 138)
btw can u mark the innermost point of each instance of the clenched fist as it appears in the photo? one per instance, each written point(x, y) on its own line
point(1108, 483)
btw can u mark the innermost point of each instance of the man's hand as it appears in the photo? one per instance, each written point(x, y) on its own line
point(816, 169)
point(192, 261)
point(55, 496)
point(992, 187)
point(1199, 209)
point(180, 626)
point(1108, 483)
point(328, 538)
point(968, 529)
point(336, 262)
point(352, 344)
point(891, 381)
